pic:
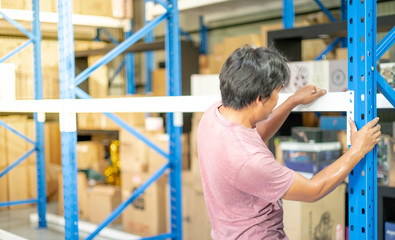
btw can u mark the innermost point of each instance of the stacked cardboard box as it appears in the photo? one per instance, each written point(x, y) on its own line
point(103, 199)
point(324, 219)
point(20, 182)
point(90, 155)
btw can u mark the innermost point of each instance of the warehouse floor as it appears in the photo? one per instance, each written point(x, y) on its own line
point(17, 222)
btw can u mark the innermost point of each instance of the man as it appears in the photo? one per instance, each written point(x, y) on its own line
point(243, 183)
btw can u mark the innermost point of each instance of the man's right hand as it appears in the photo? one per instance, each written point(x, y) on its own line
point(366, 138)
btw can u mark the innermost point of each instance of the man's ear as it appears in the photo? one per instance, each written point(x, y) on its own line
point(261, 100)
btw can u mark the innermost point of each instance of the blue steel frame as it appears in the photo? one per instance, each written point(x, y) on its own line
point(69, 89)
point(149, 55)
point(362, 195)
point(39, 118)
point(129, 64)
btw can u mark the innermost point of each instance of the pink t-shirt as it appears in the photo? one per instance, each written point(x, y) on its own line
point(242, 181)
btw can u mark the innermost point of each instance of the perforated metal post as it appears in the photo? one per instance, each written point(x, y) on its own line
point(288, 13)
point(39, 118)
point(68, 119)
point(129, 64)
point(361, 72)
point(149, 55)
point(174, 120)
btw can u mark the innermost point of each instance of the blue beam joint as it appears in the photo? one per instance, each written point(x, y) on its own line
point(17, 162)
point(83, 95)
point(385, 43)
point(18, 26)
point(16, 50)
point(288, 13)
point(140, 190)
point(329, 48)
point(325, 10)
point(18, 202)
point(186, 35)
point(119, 49)
point(39, 119)
point(203, 36)
point(130, 65)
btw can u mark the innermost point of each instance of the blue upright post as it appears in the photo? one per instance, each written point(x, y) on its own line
point(288, 13)
point(39, 118)
point(149, 56)
point(203, 36)
point(343, 17)
point(67, 118)
point(362, 29)
point(129, 65)
point(174, 120)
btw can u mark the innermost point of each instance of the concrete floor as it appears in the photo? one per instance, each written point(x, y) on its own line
point(17, 222)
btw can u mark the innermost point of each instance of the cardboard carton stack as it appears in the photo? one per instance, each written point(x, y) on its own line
point(20, 182)
point(146, 216)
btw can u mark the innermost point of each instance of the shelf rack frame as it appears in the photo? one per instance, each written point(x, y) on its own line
point(39, 118)
point(69, 90)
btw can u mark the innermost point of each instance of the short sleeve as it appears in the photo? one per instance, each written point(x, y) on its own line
point(263, 177)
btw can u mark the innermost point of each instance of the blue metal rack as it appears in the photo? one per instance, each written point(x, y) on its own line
point(69, 90)
point(363, 81)
point(39, 118)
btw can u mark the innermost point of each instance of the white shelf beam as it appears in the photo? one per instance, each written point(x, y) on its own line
point(78, 20)
point(331, 102)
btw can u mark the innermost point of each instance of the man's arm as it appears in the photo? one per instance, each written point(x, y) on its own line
point(311, 190)
point(304, 95)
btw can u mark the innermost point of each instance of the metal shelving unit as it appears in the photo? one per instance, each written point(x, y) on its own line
point(39, 118)
point(69, 90)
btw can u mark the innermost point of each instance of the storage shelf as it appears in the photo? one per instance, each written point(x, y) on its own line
point(78, 19)
point(331, 102)
point(213, 10)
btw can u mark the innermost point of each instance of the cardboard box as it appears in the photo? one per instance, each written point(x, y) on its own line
point(82, 192)
point(301, 74)
point(196, 223)
point(103, 199)
point(387, 70)
point(53, 153)
point(97, 8)
point(3, 148)
point(313, 47)
point(13, 4)
point(122, 8)
point(98, 80)
point(3, 187)
point(146, 216)
point(159, 82)
point(193, 135)
point(155, 160)
point(16, 147)
point(45, 5)
point(386, 161)
point(90, 155)
point(98, 121)
point(323, 219)
point(341, 53)
point(133, 152)
point(230, 44)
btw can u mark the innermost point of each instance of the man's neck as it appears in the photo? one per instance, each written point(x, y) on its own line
point(244, 117)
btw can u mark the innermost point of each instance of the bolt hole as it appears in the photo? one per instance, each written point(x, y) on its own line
point(351, 78)
point(363, 173)
point(362, 39)
point(350, 39)
point(362, 19)
point(363, 192)
point(362, 58)
point(350, 20)
point(362, 116)
point(362, 78)
point(352, 172)
point(363, 230)
point(352, 227)
point(352, 190)
point(351, 58)
point(363, 210)
point(352, 209)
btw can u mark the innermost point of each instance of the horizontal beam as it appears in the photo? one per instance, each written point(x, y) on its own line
point(78, 19)
point(331, 102)
point(18, 202)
